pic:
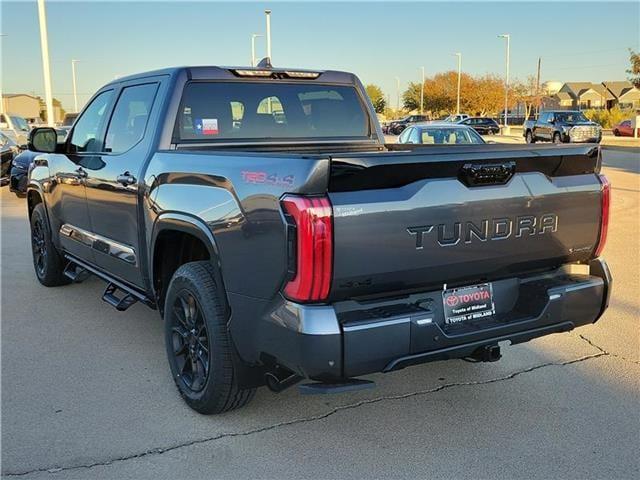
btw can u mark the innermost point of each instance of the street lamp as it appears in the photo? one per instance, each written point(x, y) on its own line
point(397, 93)
point(506, 83)
point(459, 55)
point(46, 69)
point(75, 90)
point(268, 15)
point(422, 91)
point(253, 47)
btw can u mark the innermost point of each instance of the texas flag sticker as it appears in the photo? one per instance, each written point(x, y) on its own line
point(207, 126)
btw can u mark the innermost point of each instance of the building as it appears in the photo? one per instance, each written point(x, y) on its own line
point(31, 108)
point(584, 95)
point(22, 105)
point(625, 94)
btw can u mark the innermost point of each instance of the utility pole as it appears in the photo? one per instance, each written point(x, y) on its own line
point(459, 55)
point(422, 91)
point(506, 83)
point(268, 15)
point(46, 69)
point(397, 94)
point(253, 47)
point(75, 90)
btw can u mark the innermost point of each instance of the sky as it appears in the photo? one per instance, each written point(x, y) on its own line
point(379, 41)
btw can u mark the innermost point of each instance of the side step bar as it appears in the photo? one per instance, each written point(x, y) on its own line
point(120, 303)
point(76, 273)
point(77, 270)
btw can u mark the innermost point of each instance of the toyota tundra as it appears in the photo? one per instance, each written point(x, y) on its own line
point(260, 211)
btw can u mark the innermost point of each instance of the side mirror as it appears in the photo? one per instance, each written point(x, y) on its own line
point(43, 139)
point(552, 121)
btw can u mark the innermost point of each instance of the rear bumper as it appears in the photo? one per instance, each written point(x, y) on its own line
point(349, 339)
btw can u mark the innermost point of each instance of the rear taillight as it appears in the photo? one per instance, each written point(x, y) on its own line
point(312, 248)
point(604, 222)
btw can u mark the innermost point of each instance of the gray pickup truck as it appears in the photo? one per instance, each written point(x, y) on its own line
point(260, 211)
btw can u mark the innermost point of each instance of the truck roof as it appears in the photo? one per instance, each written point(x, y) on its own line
point(204, 72)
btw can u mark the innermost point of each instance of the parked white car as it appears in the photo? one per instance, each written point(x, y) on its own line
point(456, 118)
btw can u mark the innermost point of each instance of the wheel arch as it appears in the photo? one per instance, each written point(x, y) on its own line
point(34, 197)
point(178, 227)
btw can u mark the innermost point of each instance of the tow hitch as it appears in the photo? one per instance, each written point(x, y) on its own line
point(488, 353)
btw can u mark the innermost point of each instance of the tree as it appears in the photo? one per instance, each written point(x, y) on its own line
point(377, 97)
point(527, 93)
point(634, 71)
point(479, 95)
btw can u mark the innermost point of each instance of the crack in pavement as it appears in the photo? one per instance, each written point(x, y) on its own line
point(606, 352)
point(322, 416)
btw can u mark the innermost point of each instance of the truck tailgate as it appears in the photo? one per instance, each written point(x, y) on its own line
point(404, 221)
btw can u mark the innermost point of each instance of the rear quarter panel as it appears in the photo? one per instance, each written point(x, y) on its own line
point(237, 196)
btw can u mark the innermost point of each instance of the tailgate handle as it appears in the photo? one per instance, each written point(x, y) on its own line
point(486, 173)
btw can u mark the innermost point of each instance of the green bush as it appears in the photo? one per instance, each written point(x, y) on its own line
point(607, 118)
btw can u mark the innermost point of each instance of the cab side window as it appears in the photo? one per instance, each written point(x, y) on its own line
point(130, 117)
point(86, 129)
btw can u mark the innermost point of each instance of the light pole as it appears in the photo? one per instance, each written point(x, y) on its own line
point(75, 90)
point(422, 91)
point(44, 43)
point(506, 83)
point(397, 93)
point(1, 97)
point(459, 55)
point(268, 15)
point(253, 48)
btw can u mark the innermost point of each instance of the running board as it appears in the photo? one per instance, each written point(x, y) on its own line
point(117, 294)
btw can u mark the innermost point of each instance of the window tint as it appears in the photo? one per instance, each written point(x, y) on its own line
point(86, 128)
point(130, 117)
point(213, 111)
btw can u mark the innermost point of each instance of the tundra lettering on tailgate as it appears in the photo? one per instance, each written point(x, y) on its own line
point(490, 229)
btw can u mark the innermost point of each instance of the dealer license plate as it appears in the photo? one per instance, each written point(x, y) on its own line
point(468, 303)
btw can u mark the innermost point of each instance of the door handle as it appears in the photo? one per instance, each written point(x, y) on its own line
point(126, 179)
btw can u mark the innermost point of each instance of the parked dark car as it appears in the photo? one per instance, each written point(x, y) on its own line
point(562, 126)
point(440, 134)
point(396, 127)
point(20, 168)
point(8, 150)
point(482, 125)
point(310, 249)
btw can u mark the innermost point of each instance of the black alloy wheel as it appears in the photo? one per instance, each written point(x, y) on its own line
point(190, 341)
point(39, 247)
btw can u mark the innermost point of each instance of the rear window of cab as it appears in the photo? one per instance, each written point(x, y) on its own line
point(261, 111)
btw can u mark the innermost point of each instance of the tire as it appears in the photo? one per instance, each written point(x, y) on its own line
point(556, 138)
point(616, 133)
point(47, 261)
point(196, 332)
point(529, 137)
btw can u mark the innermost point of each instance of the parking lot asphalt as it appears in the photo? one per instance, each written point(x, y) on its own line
point(86, 392)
